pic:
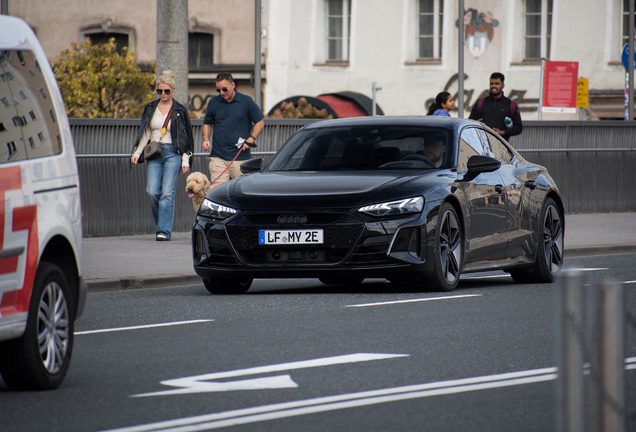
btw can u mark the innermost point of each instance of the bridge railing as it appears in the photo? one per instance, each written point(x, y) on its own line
point(593, 163)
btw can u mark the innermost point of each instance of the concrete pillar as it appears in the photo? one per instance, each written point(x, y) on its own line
point(172, 43)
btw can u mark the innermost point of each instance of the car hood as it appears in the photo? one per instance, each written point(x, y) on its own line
point(322, 190)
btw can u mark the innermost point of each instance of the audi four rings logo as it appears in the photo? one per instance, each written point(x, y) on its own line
point(291, 219)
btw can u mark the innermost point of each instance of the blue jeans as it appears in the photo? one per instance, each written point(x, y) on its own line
point(163, 174)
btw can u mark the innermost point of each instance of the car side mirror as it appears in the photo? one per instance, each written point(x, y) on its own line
point(479, 164)
point(251, 165)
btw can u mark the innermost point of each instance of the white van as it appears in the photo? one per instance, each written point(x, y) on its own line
point(41, 287)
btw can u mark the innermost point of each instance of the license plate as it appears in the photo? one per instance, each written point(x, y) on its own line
point(290, 237)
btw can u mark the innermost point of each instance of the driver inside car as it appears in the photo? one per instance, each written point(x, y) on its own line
point(434, 150)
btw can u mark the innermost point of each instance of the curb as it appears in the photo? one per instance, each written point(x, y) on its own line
point(583, 251)
point(115, 284)
point(138, 282)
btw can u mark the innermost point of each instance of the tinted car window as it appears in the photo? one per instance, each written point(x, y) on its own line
point(498, 149)
point(27, 92)
point(472, 142)
point(359, 148)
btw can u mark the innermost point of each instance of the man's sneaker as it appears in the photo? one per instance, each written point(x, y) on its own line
point(161, 237)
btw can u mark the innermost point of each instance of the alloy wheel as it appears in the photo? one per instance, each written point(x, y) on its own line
point(53, 327)
point(450, 247)
point(553, 239)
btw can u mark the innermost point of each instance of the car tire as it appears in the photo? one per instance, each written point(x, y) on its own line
point(28, 364)
point(334, 280)
point(448, 252)
point(228, 286)
point(549, 258)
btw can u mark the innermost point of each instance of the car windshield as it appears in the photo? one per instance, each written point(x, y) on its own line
point(368, 147)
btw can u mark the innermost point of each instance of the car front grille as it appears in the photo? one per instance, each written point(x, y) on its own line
point(341, 233)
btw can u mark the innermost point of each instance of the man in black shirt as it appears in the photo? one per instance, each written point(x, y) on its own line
point(497, 111)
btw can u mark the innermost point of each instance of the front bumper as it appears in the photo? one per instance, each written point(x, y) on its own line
point(352, 246)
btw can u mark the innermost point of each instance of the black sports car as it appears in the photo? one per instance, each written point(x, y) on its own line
point(422, 199)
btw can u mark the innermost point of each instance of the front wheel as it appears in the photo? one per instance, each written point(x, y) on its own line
point(449, 252)
point(227, 286)
point(40, 359)
point(549, 259)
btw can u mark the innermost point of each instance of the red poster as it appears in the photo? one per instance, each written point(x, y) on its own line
point(559, 84)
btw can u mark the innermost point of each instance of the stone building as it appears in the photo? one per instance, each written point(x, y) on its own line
point(330, 47)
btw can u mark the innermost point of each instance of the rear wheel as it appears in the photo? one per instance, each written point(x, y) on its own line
point(449, 252)
point(549, 259)
point(40, 359)
point(228, 285)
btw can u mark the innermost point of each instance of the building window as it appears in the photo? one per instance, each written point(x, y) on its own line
point(431, 18)
point(121, 39)
point(338, 29)
point(200, 51)
point(538, 20)
point(625, 37)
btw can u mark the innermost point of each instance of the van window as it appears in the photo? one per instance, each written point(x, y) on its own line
point(29, 98)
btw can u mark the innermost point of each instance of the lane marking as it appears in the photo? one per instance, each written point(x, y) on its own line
point(414, 300)
point(142, 326)
point(349, 400)
point(484, 277)
point(634, 281)
point(201, 383)
point(586, 269)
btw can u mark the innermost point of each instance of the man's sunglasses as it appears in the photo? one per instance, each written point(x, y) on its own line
point(166, 91)
point(224, 90)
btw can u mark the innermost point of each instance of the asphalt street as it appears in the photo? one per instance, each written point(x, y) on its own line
point(297, 355)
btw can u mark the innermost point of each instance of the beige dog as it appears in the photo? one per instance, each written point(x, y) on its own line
point(197, 187)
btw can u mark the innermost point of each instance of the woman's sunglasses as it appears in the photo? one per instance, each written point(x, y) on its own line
point(166, 91)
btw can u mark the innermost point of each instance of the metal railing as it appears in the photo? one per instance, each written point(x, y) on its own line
point(593, 324)
point(591, 162)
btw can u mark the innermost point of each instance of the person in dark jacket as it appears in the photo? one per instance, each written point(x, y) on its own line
point(497, 111)
point(166, 122)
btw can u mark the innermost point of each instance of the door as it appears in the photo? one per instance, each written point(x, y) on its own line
point(486, 223)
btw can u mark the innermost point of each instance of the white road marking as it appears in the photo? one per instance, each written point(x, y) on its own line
point(201, 383)
point(585, 269)
point(485, 277)
point(414, 300)
point(350, 400)
point(634, 281)
point(142, 326)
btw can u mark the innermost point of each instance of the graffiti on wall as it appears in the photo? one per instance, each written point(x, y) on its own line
point(519, 96)
point(479, 30)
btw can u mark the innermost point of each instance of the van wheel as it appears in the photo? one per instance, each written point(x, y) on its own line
point(228, 286)
point(40, 359)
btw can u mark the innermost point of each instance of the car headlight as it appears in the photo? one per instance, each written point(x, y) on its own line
point(407, 205)
point(211, 209)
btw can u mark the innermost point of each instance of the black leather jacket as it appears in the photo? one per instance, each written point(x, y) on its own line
point(180, 129)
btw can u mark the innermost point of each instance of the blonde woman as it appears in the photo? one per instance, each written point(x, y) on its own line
point(164, 121)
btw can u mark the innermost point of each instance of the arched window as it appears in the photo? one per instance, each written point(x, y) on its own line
point(124, 37)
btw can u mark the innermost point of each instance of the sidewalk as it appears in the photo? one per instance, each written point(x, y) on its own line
point(114, 263)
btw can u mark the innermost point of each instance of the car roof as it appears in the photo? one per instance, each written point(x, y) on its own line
point(423, 121)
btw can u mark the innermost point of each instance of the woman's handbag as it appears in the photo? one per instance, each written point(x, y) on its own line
point(152, 150)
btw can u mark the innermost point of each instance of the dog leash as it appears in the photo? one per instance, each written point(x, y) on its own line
point(227, 167)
